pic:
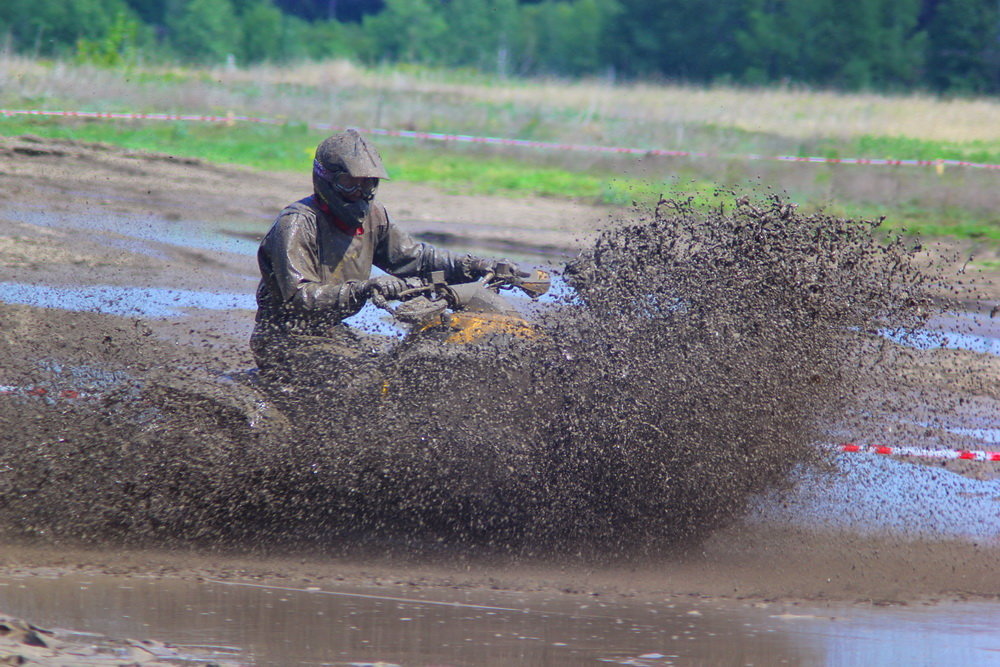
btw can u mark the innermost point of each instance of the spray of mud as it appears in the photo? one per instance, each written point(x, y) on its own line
point(702, 355)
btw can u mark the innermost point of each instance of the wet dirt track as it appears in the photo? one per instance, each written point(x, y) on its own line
point(56, 236)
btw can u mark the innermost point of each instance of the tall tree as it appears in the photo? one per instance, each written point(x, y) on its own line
point(350, 11)
point(152, 12)
point(687, 39)
point(865, 44)
point(770, 41)
point(566, 37)
point(407, 31)
point(859, 44)
point(263, 32)
point(52, 27)
point(964, 45)
point(478, 30)
point(203, 30)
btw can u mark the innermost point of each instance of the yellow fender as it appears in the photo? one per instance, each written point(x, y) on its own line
point(473, 327)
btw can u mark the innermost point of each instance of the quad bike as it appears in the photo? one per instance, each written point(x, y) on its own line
point(474, 312)
point(441, 320)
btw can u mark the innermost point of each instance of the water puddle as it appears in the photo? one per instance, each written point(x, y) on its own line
point(933, 339)
point(154, 302)
point(990, 435)
point(245, 623)
point(873, 494)
point(143, 234)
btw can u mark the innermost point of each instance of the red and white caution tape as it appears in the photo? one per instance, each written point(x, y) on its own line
point(45, 393)
point(501, 141)
point(921, 452)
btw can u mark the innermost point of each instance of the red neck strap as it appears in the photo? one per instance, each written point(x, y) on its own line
point(338, 223)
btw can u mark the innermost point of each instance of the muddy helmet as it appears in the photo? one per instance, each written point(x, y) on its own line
point(347, 153)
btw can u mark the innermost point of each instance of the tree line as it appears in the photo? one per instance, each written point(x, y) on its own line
point(949, 46)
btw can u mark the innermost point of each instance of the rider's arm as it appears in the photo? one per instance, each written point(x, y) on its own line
point(396, 252)
point(291, 254)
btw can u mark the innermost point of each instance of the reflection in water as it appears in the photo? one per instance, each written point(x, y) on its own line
point(236, 623)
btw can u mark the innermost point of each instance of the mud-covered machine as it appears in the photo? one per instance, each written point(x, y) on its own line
point(440, 319)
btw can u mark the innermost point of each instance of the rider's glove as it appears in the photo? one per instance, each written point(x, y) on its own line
point(501, 268)
point(388, 286)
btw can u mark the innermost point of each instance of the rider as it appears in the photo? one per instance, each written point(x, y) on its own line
point(315, 262)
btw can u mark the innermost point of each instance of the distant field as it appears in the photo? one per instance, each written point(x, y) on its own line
point(724, 121)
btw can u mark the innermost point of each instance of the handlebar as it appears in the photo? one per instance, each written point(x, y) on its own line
point(436, 288)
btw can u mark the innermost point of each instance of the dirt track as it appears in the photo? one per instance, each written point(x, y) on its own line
point(77, 182)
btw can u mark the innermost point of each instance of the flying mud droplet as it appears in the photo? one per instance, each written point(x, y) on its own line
point(703, 353)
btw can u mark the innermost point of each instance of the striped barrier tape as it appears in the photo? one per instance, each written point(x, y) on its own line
point(921, 452)
point(939, 164)
point(45, 393)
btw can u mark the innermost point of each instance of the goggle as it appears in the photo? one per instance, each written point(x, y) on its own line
point(354, 186)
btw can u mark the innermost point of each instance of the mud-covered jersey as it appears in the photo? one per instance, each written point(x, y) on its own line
point(308, 264)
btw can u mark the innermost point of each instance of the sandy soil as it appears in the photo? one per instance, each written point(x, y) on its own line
point(78, 181)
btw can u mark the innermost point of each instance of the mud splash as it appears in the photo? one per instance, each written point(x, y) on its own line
point(703, 354)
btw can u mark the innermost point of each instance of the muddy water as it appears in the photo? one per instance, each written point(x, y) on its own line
point(875, 495)
point(245, 623)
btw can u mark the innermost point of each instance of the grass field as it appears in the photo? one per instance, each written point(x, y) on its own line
point(726, 122)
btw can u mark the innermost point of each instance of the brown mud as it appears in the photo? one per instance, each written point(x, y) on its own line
point(74, 182)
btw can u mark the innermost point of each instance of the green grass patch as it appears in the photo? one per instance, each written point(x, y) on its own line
point(963, 230)
point(485, 174)
point(266, 147)
point(943, 222)
point(926, 222)
point(905, 148)
point(290, 147)
point(489, 175)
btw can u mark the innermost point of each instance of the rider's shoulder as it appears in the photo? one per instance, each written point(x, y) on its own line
point(303, 211)
point(305, 206)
